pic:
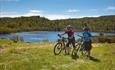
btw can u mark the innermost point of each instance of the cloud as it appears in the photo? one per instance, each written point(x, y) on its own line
point(16, 14)
point(35, 11)
point(8, 14)
point(30, 13)
point(73, 10)
point(111, 8)
point(42, 14)
point(57, 16)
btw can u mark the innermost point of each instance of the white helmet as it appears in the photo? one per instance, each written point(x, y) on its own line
point(69, 26)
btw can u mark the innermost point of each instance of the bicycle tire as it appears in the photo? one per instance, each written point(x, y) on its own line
point(57, 48)
point(74, 52)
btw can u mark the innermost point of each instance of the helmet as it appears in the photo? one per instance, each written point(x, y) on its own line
point(86, 28)
point(69, 26)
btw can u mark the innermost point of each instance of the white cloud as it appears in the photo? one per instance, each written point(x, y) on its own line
point(61, 16)
point(8, 14)
point(57, 16)
point(40, 13)
point(73, 10)
point(111, 8)
point(16, 14)
point(35, 11)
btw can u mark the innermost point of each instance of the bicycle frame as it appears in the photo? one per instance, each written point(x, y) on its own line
point(80, 45)
point(62, 40)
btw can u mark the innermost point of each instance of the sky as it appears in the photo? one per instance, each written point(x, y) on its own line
point(57, 9)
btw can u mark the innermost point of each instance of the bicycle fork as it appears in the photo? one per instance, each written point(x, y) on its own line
point(65, 48)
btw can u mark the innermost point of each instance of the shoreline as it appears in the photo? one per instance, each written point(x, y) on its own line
point(52, 31)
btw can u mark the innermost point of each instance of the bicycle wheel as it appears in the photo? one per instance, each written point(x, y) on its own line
point(57, 48)
point(74, 52)
point(84, 53)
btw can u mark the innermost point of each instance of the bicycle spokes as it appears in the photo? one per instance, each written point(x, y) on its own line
point(58, 48)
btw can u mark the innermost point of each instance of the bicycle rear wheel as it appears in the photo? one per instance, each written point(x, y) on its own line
point(57, 48)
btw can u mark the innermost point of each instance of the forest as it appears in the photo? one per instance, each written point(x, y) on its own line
point(37, 23)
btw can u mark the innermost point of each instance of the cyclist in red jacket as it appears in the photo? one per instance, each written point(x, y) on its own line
point(71, 39)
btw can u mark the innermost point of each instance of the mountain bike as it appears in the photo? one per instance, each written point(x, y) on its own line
point(79, 47)
point(60, 45)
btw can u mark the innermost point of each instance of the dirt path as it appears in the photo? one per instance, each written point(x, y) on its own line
point(27, 47)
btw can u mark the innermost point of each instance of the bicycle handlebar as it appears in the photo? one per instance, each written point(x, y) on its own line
point(79, 36)
point(59, 35)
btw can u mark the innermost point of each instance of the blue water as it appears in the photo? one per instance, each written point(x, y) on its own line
point(39, 36)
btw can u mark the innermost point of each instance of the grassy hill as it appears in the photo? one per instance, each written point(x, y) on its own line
point(39, 56)
point(37, 23)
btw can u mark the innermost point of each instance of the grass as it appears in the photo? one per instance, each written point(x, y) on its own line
point(39, 56)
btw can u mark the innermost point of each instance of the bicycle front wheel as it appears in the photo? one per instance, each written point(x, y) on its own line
point(57, 48)
point(74, 52)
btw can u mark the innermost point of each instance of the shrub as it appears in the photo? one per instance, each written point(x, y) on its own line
point(103, 39)
point(101, 34)
point(45, 40)
point(17, 39)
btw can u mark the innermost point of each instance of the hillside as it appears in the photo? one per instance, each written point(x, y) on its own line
point(39, 56)
point(37, 23)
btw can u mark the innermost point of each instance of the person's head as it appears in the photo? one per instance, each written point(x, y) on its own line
point(69, 27)
point(86, 29)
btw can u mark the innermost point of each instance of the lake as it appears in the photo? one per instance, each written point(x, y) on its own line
point(40, 36)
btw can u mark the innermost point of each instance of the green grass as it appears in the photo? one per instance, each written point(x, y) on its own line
point(39, 56)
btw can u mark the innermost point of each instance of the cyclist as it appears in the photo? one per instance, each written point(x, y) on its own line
point(71, 39)
point(87, 40)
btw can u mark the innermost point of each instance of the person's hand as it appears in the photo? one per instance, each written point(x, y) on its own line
point(59, 35)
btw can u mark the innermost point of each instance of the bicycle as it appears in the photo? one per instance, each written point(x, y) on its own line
point(60, 45)
point(79, 47)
